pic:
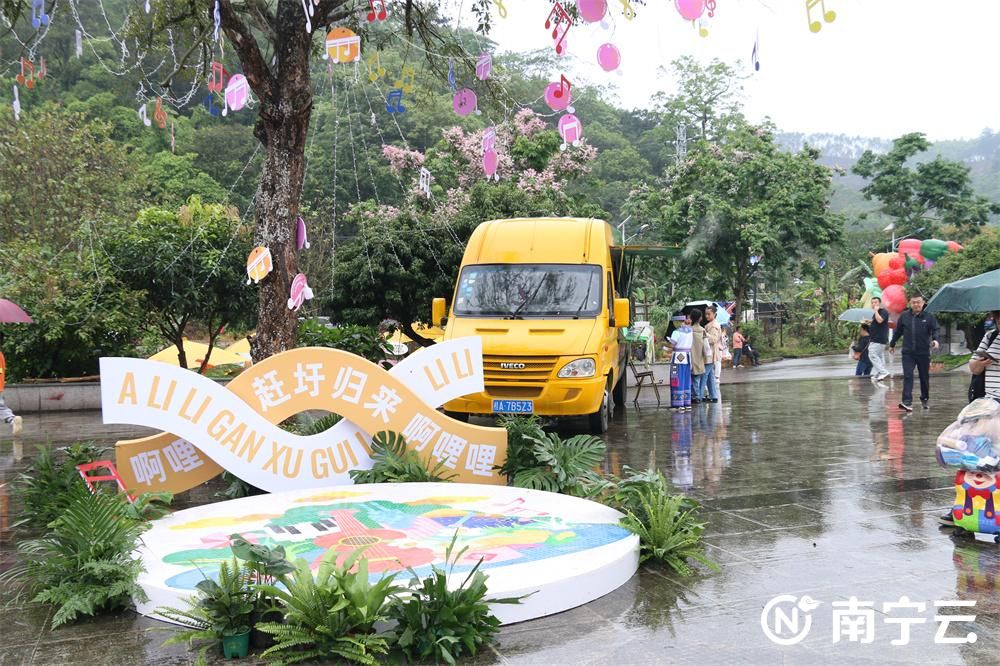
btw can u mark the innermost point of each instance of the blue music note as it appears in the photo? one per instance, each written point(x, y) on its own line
point(38, 15)
point(395, 95)
point(210, 106)
point(755, 55)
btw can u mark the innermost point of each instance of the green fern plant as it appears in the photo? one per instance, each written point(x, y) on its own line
point(437, 622)
point(521, 431)
point(394, 463)
point(330, 615)
point(84, 565)
point(43, 489)
point(221, 608)
point(565, 466)
point(668, 532)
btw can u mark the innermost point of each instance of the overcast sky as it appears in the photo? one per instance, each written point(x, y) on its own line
point(881, 68)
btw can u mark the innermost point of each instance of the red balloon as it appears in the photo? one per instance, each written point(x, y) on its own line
point(892, 276)
point(894, 298)
point(897, 262)
point(910, 246)
point(954, 247)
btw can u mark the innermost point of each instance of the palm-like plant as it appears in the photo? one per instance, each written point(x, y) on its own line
point(667, 531)
point(394, 463)
point(85, 564)
point(221, 608)
point(565, 466)
point(329, 615)
point(520, 446)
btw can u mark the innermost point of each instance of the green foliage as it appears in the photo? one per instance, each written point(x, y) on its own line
point(437, 622)
point(189, 265)
point(222, 607)
point(736, 198)
point(236, 488)
point(268, 563)
point(930, 194)
point(150, 506)
point(522, 432)
point(169, 181)
point(394, 463)
point(564, 466)
point(84, 565)
point(44, 489)
point(981, 254)
point(666, 525)
point(81, 312)
point(330, 615)
point(363, 341)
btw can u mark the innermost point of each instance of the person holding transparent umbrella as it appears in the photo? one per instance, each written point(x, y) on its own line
point(10, 313)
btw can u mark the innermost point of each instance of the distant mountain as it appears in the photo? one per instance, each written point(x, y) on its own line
point(981, 155)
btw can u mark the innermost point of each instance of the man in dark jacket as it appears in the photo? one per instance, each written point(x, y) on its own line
point(919, 331)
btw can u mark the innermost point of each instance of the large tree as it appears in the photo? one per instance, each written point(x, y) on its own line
point(925, 194)
point(188, 265)
point(740, 207)
point(274, 43)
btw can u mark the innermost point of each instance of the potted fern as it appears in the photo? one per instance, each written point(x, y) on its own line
point(269, 566)
point(219, 613)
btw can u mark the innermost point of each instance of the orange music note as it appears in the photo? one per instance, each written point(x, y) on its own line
point(560, 16)
point(217, 78)
point(564, 87)
point(828, 15)
point(159, 115)
point(30, 79)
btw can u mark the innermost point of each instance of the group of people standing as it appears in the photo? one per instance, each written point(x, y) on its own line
point(918, 330)
point(698, 346)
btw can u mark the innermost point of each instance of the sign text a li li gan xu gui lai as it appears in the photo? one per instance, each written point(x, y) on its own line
point(234, 427)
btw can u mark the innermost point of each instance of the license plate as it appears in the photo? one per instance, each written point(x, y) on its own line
point(513, 406)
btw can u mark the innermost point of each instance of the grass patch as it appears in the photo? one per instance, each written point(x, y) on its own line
point(952, 361)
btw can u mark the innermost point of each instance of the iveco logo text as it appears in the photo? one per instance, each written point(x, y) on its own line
point(513, 366)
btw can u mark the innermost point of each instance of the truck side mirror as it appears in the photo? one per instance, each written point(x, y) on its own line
point(438, 312)
point(621, 315)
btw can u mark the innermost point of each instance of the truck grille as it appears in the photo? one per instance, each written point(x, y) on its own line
point(505, 370)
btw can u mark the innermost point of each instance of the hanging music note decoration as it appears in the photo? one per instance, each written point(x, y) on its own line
point(28, 80)
point(501, 10)
point(755, 54)
point(381, 14)
point(425, 182)
point(142, 116)
point(829, 16)
point(16, 105)
point(406, 79)
point(627, 10)
point(394, 101)
point(558, 16)
point(159, 115)
point(452, 84)
point(38, 15)
point(484, 66)
point(375, 68)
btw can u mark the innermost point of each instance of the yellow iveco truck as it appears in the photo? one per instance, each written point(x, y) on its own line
point(541, 293)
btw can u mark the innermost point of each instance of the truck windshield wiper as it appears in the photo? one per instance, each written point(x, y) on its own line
point(590, 283)
point(517, 311)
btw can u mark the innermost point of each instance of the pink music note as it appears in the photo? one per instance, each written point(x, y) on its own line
point(560, 16)
point(41, 68)
point(564, 87)
point(380, 14)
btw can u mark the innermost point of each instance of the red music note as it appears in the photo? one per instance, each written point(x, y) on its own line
point(217, 78)
point(380, 14)
point(561, 16)
point(564, 87)
point(30, 80)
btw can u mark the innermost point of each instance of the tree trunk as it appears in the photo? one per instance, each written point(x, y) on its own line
point(282, 125)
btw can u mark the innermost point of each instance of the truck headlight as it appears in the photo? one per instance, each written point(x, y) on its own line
point(581, 367)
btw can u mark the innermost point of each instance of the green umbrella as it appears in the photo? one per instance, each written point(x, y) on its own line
point(975, 294)
point(856, 315)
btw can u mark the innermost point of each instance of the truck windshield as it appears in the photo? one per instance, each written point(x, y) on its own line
point(529, 290)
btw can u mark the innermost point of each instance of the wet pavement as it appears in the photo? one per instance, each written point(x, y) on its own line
point(818, 487)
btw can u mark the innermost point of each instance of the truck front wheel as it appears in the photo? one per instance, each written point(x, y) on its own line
point(600, 419)
point(619, 391)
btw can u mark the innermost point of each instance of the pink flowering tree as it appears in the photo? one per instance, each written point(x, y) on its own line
point(402, 257)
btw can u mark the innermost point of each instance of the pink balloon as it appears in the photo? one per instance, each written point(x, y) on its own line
point(592, 11)
point(690, 9)
point(608, 57)
point(557, 97)
point(490, 162)
point(894, 298)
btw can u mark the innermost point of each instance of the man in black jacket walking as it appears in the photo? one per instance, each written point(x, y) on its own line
point(919, 330)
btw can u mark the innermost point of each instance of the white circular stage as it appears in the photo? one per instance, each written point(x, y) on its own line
point(565, 550)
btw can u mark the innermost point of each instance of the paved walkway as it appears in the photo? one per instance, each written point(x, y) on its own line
point(817, 487)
